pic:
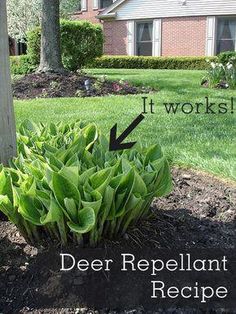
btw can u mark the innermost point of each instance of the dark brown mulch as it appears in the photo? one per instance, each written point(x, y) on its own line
point(69, 85)
point(200, 213)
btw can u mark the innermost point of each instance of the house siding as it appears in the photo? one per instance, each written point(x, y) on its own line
point(142, 9)
point(184, 36)
point(116, 37)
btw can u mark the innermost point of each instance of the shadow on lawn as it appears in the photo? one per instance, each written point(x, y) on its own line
point(40, 285)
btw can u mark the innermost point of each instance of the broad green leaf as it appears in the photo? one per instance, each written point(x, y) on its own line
point(7, 208)
point(96, 203)
point(164, 181)
point(71, 209)
point(28, 209)
point(87, 220)
point(63, 188)
point(153, 153)
point(54, 213)
point(71, 173)
point(6, 184)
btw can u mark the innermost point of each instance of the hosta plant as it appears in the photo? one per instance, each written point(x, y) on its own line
point(66, 185)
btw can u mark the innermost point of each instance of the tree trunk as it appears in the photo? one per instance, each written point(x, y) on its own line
point(7, 119)
point(50, 56)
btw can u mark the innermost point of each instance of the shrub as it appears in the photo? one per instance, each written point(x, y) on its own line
point(81, 42)
point(134, 62)
point(21, 65)
point(33, 45)
point(225, 57)
point(67, 185)
point(220, 75)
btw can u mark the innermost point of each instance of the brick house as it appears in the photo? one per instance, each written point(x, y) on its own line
point(164, 27)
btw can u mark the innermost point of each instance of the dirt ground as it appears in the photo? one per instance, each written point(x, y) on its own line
point(53, 85)
point(199, 213)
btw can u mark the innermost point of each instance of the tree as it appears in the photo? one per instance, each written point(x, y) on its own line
point(7, 120)
point(24, 15)
point(50, 54)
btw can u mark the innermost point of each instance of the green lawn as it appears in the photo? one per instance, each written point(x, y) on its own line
point(202, 141)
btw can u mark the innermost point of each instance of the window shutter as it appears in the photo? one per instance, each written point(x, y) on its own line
point(95, 4)
point(211, 36)
point(157, 38)
point(130, 28)
point(83, 5)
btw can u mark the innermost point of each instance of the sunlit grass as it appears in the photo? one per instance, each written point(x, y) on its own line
point(202, 141)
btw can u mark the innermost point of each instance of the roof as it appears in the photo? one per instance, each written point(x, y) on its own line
point(156, 9)
point(107, 12)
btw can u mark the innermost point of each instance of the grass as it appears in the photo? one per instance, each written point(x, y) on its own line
point(202, 141)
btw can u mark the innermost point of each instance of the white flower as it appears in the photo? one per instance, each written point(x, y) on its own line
point(226, 85)
point(229, 66)
point(213, 65)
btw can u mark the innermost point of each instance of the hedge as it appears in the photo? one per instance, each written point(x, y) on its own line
point(81, 43)
point(21, 65)
point(134, 62)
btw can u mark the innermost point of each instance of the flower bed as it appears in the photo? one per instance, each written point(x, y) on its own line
point(221, 75)
point(71, 85)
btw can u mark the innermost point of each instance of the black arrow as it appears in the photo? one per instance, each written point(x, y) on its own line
point(116, 143)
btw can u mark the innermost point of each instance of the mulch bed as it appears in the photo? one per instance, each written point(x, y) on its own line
point(200, 213)
point(70, 85)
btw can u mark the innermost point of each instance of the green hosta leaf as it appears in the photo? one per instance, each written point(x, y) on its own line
point(29, 186)
point(5, 184)
point(54, 213)
point(79, 145)
point(64, 188)
point(16, 176)
point(35, 169)
point(149, 178)
point(101, 179)
point(153, 153)
point(44, 197)
point(108, 198)
point(96, 203)
point(55, 163)
point(49, 149)
point(71, 173)
point(71, 209)
point(8, 209)
point(24, 150)
point(73, 162)
point(28, 127)
point(126, 166)
point(86, 175)
point(91, 134)
point(28, 209)
point(139, 185)
point(164, 181)
point(24, 139)
point(53, 129)
point(133, 202)
point(87, 220)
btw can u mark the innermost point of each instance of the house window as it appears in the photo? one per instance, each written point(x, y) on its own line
point(105, 3)
point(144, 38)
point(226, 35)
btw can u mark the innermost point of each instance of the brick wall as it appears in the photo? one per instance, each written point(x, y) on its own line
point(115, 33)
point(89, 14)
point(185, 36)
